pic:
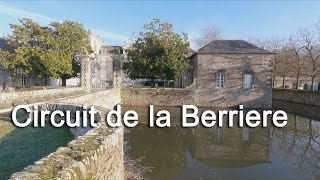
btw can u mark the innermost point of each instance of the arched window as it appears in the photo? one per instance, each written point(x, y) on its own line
point(220, 80)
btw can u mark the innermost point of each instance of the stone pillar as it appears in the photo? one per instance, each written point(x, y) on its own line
point(117, 71)
point(85, 75)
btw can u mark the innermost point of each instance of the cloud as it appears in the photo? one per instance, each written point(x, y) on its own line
point(110, 35)
point(19, 13)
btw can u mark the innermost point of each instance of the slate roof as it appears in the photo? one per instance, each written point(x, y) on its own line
point(231, 47)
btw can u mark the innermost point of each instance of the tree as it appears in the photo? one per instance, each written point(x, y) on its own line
point(47, 52)
point(27, 49)
point(310, 48)
point(72, 39)
point(284, 65)
point(207, 35)
point(298, 65)
point(157, 53)
point(274, 45)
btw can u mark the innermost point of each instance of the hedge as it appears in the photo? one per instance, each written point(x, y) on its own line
point(296, 91)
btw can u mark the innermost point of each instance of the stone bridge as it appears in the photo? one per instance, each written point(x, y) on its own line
point(95, 153)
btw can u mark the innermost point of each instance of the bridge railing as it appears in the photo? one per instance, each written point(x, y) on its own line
point(102, 85)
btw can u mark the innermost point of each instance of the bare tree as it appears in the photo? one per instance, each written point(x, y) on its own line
point(284, 65)
point(262, 43)
point(207, 35)
point(299, 62)
point(274, 45)
point(310, 45)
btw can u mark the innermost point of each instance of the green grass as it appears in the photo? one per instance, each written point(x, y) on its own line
point(20, 147)
point(5, 128)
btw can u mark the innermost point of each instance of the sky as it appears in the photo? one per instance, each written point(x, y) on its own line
point(115, 21)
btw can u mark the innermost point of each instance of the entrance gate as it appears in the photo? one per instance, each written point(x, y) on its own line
point(103, 71)
point(101, 74)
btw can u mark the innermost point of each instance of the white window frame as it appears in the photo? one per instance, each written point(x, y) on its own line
point(219, 134)
point(220, 80)
point(245, 81)
point(24, 80)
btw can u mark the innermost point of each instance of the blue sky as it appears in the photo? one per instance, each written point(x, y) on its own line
point(115, 21)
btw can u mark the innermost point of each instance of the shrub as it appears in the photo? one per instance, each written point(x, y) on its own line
point(296, 91)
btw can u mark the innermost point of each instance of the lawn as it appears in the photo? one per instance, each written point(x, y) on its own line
point(20, 147)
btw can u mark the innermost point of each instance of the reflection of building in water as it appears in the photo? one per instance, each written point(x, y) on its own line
point(229, 147)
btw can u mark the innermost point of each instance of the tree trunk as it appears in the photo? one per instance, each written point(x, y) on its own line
point(152, 83)
point(273, 80)
point(297, 82)
point(283, 78)
point(64, 81)
point(312, 83)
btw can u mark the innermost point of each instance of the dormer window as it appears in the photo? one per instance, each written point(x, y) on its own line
point(220, 80)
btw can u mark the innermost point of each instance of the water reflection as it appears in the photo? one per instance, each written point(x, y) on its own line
point(292, 152)
point(229, 147)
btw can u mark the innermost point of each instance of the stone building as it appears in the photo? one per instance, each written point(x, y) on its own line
point(227, 73)
point(8, 79)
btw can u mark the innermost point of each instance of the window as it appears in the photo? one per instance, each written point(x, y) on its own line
point(245, 134)
point(24, 80)
point(247, 81)
point(220, 80)
point(218, 134)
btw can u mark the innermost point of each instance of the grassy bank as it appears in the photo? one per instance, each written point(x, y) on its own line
point(20, 147)
point(296, 91)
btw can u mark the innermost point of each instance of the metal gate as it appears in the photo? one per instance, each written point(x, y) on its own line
point(101, 74)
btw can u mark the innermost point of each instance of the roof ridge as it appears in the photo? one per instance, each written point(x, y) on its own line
point(231, 46)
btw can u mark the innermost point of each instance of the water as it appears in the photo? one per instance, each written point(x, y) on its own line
point(20, 147)
point(292, 152)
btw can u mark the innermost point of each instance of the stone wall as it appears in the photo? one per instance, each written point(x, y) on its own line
point(154, 96)
point(234, 66)
point(307, 111)
point(36, 93)
point(96, 155)
point(291, 82)
point(107, 99)
point(5, 78)
point(203, 91)
point(297, 96)
point(10, 100)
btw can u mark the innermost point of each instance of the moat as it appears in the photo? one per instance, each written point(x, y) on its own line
point(292, 152)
